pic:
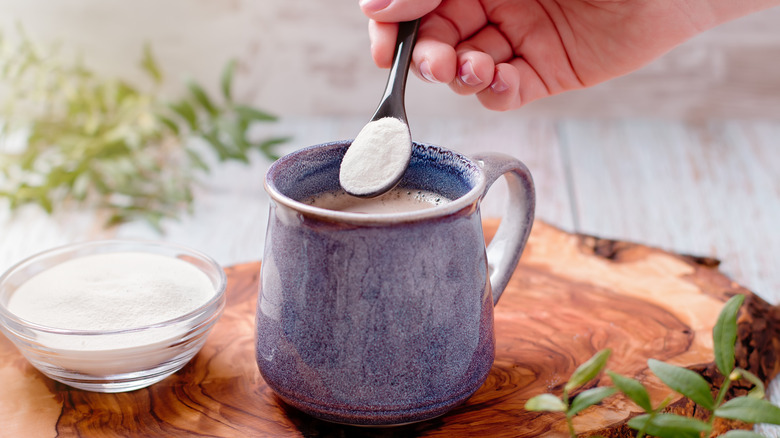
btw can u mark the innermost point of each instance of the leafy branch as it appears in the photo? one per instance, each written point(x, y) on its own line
point(70, 136)
point(750, 408)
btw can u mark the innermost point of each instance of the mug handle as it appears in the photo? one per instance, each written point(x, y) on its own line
point(507, 245)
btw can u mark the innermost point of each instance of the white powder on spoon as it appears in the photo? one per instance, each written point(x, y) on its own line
point(112, 291)
point(377, 158)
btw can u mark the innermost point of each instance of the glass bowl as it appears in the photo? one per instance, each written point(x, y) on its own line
point(113, 360)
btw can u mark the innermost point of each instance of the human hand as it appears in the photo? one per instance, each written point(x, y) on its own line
point(512, 52)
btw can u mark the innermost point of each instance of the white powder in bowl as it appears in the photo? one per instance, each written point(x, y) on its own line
point(377, 157)
point(112, 291)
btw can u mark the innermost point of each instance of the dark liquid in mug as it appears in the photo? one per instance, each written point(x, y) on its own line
point(397, 200)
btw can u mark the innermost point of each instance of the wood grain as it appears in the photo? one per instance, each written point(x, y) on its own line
point(682, 186)
point(571, 296)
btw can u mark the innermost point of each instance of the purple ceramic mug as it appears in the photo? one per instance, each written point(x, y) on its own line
point(385, 319)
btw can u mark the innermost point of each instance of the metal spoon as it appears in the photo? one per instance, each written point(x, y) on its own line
point(378, 157)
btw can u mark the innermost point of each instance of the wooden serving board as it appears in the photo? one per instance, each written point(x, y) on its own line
point(571, 296)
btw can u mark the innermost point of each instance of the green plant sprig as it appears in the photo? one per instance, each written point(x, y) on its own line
point(750, 408)
point(106, 144)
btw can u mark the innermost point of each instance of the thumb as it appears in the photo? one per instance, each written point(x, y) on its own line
point(394, 11)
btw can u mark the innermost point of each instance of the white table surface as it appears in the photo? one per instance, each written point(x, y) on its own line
point(708, 188)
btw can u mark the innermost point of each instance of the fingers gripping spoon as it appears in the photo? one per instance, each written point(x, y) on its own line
point(380, 154)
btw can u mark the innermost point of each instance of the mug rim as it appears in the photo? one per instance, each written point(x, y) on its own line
point(455, 205)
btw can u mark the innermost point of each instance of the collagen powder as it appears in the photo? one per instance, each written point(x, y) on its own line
point(377, 157)
point(111, 292)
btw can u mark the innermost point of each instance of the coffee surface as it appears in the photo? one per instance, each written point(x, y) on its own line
point(397, 200)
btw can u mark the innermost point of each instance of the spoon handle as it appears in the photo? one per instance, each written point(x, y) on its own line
point(392, 103)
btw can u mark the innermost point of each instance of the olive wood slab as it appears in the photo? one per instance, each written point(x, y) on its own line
point(571, 296)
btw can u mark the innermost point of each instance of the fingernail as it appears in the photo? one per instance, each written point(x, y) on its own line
point(425, 71)
point(374, 5)
point(467, 74)
point(499, 85)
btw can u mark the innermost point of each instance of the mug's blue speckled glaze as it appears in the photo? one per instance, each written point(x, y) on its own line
point(384, 319)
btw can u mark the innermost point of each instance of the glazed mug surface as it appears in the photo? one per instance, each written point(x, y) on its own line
point(385, 319)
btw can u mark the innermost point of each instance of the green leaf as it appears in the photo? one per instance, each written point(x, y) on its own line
point(185, 110)
point(758, 391)
point(545, 403)
point(749, 410)
point(741, 434)
point(149, 64)
point(197, 160)
point(686, 382)
point(588, 370)
point(124, 91)
point(249, 113)
point(724, 334)
point(80, 187)
point(200, 96)
point(116, 219)
point(669, 426)
point(223, 151)
point(266, 147)
point(170, 124)
point(589, 398)
point(237, 135)
point(154, 218)
point(45, 201)
point(227, 80)
point(633, 389)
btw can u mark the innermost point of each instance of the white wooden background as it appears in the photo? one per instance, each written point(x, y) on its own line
point(684, 154)
point(311, 58)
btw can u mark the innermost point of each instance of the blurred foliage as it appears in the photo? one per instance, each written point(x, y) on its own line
point(106, 144)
